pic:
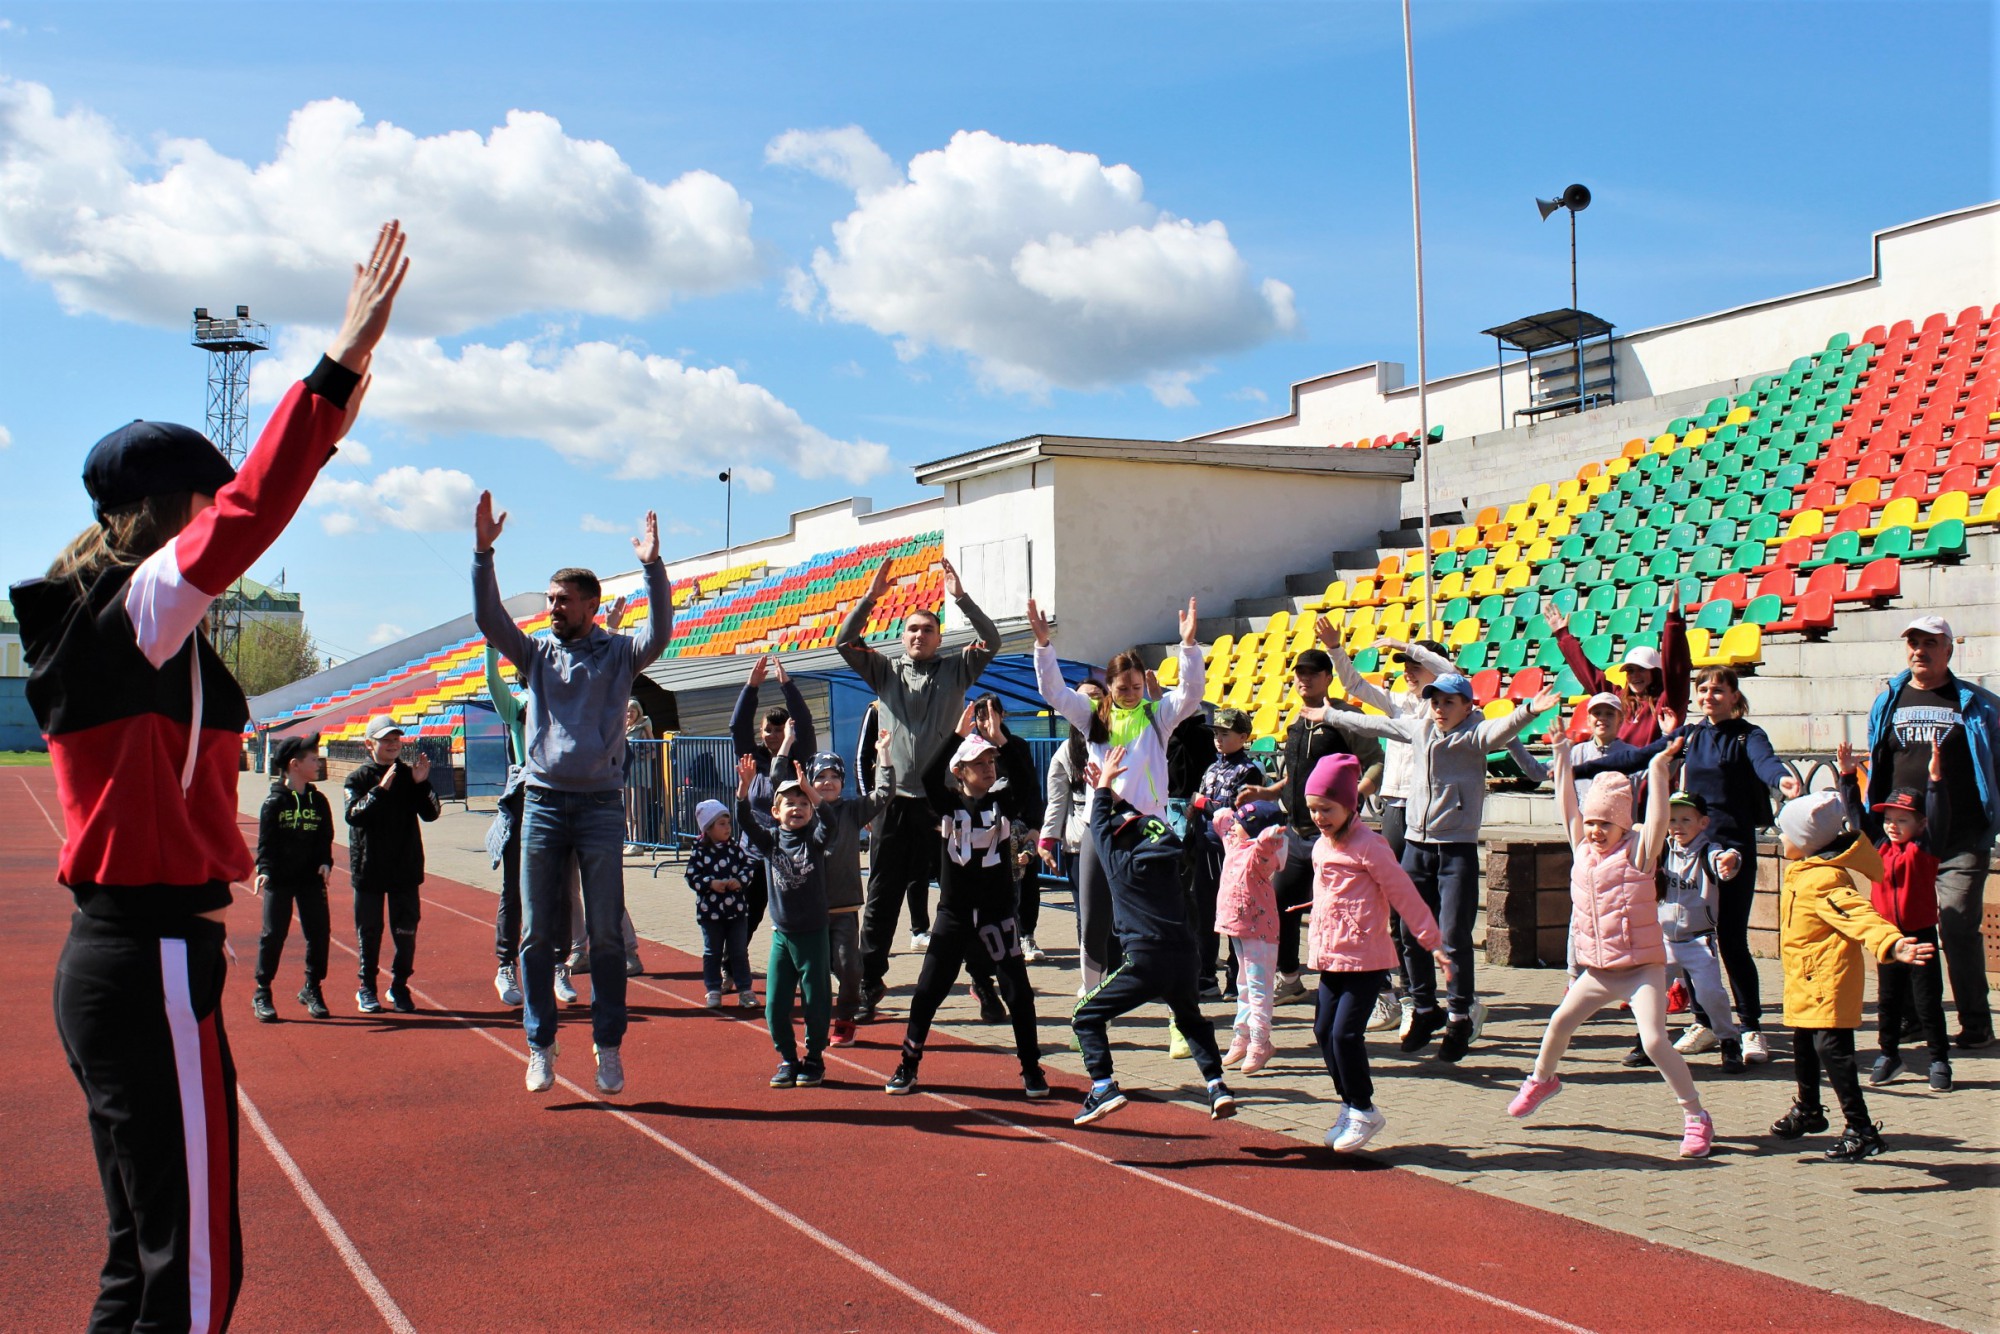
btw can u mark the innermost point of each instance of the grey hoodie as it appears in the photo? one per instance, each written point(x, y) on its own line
point(577, 690)
point(1447, 796)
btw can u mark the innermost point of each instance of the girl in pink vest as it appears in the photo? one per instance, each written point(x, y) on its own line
point(1615, 924)
point(1356, 884)
point(1246, 910)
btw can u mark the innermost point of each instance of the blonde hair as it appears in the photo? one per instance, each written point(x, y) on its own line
point(125, 536)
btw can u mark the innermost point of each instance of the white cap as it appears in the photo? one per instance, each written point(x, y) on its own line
point(382, 726)
point(1604, 699)
point(971, 749)
point(1928, 625)
point(1649, 658)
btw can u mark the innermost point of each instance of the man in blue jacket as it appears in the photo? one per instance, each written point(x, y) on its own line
point(1927, 707)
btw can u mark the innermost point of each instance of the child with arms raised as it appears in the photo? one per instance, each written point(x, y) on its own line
point(794, 852)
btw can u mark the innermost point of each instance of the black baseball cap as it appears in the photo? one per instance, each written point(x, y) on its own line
point(145, 458)
point(1692, 800)
point(292, 748)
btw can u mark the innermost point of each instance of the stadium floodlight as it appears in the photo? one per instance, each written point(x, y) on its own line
point(726, 476)
point(1574, 198)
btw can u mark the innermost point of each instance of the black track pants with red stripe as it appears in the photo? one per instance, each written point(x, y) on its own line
point(141, 1022)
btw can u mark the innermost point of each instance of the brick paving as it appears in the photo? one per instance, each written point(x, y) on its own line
point(1914, 1230)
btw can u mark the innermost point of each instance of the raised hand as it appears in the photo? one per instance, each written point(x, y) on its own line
point(1557, 621)
point(646, 546)
point(799, 772)
point(779, 667)
point(420, 768)
point(953, 588)
point(1153, 688)
point(486, 525)
point(1326, 633)
point(1038, 621)
point(790, 739)
point(758, 668)
point(1112, 769)
point(1545, 701)
point(1187, 619)
point(1846, 760)
point(880, 583)
point(989, 727)
point(967, 721)
point(1668, 719)
point(616, 616)
point(370, 297)
point(746, 773)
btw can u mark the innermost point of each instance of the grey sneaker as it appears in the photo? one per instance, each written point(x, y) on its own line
point(1289, 988)
point(507, 985)
point(366, 1001)
point(541, 1068)
point(610, 1070)
point(565, 989)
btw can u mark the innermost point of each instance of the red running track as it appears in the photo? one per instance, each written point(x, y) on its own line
point(421, 1188)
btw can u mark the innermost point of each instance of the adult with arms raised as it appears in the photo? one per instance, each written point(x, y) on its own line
point(144, 725)
point(922, 694)
point(1923, 706)
point(578, 681)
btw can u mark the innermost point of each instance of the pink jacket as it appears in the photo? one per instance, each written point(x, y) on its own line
point(1356, 881)
point(1246, 902)
point(1614, 913)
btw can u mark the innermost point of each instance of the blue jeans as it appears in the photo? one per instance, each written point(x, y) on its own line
point(726, 945)
point(589, 826)
point(1447, 877)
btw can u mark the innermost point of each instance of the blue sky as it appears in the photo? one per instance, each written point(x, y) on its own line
point(621, 293)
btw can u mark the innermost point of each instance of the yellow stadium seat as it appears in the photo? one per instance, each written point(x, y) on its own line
point(1806, 523)
point(1498, 708)
point(1509, 553)
point(1737, 416)
point(1363, 592)
point(1240, 693)
point(1666, 442)
point(1361, 639)
point(1219, 651)
point(1570, 488)
point(1414, 563)
point(1395, 624)
point(1899, 513)
point(1541, 549)
point(1989, 511)
point(1169, 671)
point(1482, 581)
point(1265, 721)
point(1742, 646)
point(1212, 688)
point(1517, 576)
point(1950, 505)
point(1278, 626)
point(1516, 513)
point(1334, 597)
point(1695, 438)
point(1467, 539)
point(1467, 631)
point(1365, 619)
point(1538, 492)
point(1451, 585)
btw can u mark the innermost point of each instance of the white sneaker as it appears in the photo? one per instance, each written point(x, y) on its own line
point(1383, 1016)
point(610, 1070)
point(565, 989)
point(1030, 951)
point(508, 985)
point(713, 999)
point(1478, 1018)
point(919, 941)
point(541, 1068)
point(1361, 1127)
point(1339, 1127)
point(1755, 1050)
point(1408, 1006)
point(1700, 1038)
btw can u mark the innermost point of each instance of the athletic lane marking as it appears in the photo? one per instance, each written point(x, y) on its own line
point(392, 1314)
point(61, 837)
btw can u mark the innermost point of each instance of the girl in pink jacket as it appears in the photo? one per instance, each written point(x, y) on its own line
point(1615, 926)
point(1246, 910)
point(1356, 883)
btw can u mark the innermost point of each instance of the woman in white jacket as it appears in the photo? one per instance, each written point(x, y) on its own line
point(1123, 717)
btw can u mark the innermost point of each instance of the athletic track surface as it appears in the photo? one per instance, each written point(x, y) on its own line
point(395, 1174)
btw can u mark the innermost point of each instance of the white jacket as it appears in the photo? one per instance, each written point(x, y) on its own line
point(1407, 704)
point(1144, 782)
point(1067, 819)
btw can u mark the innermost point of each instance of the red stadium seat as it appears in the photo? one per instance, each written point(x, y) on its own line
point(1527, 684)
point(1880, 580)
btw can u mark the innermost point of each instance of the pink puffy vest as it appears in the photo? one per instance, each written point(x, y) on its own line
point(1614, 916)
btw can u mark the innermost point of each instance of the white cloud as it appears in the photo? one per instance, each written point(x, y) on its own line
point(523, 218)
point(387, 632)
point(6, 437)
point(599, 404)
point(1249, 393)
point(434, 500)
point(590, 523)
point(354, 454)
point(1045, 267)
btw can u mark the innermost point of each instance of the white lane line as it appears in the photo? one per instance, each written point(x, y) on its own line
point(392, 1314)
point(60, 836)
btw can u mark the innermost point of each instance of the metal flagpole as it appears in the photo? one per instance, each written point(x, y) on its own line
point(1423, 369)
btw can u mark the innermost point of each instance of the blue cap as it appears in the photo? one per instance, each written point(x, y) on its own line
point(1450, 684)
point(824, 762)
point(152, 459)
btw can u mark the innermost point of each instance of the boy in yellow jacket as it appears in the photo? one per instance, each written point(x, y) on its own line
point(1824, 922)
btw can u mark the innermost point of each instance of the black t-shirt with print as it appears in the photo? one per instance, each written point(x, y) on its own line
point(1918, 719)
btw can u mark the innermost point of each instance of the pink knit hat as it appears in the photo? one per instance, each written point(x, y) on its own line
point(1337, 778)
point(1610, 800)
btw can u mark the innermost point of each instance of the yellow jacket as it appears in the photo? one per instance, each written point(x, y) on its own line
point(1824, 922)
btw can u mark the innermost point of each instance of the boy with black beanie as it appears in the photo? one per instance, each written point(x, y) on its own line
point(294, 860)
point(1141, 858)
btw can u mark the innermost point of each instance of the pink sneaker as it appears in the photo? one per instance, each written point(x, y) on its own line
point(1260, 1056)
point(1534, 1092)
point(1699, 1136)
point(1238, 1049)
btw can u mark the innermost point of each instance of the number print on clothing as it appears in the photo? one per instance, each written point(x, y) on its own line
point(1001, 939)
point(988, 837)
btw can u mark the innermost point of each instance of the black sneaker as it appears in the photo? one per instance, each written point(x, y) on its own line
point(1732, 1056)
point(365, 1001)
point(812, 1073)
point(314, 1002)
point(991, 1010)
point(1100, 1103)
point(1941, 1076)
point(1034, 1083)
point(1636, 1059)
point(260, 1005)
point(786, 1076)
point(1221, 1102)
point(904, 1080)
point(1887, 1066)
point(1457, 1037)
point(1209, 990)
point(1799, 1122)
point(1424, 1024)
point(400, 998)
point(1972, 1039)
point(1856, 1143)
point(872, 996)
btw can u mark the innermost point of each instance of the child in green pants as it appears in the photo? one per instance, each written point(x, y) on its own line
point(793, 842)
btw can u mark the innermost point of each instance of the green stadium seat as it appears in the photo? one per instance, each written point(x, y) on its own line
point(1624, 622)
point(1665, 564)
point(1367, 659)
point(1748, 556)
point(1564, 600)
point(1475, 558)
point(1699, 511)
point(1764, 610)
point(1689, 586)
point(1603, 598)
point(1548, 654)
point(1591, 571)
point(1525, 604)
point(1645, 593)
point(1589, 523)
point(1763, 528)
point(1627, 569)
point(1945, 541)
point(1841, 549)
point(1711, 561)
point(1715, 617)
point(1444, 563)
point(1598, 649)
point(1490, 607)
point(1740, 506)
point(1513, 655)
point(1891, 543)
point(1472, 658)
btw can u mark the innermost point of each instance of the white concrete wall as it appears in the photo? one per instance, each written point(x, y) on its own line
point(1135, 540)
point(1945, 263)
point(996, 508)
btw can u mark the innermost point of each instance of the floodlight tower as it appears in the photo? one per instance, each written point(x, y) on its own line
point(230, 343)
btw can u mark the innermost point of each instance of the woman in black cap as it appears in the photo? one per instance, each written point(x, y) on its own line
point(144, 725)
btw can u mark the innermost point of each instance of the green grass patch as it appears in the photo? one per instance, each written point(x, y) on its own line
point(10, 758)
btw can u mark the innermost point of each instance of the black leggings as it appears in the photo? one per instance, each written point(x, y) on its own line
point(953, 939)
point(1294, 888)
point(1906, 990)
point(1732, 940)
point(405, 910)
point(1341, 1027)
point(1833, 1050)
